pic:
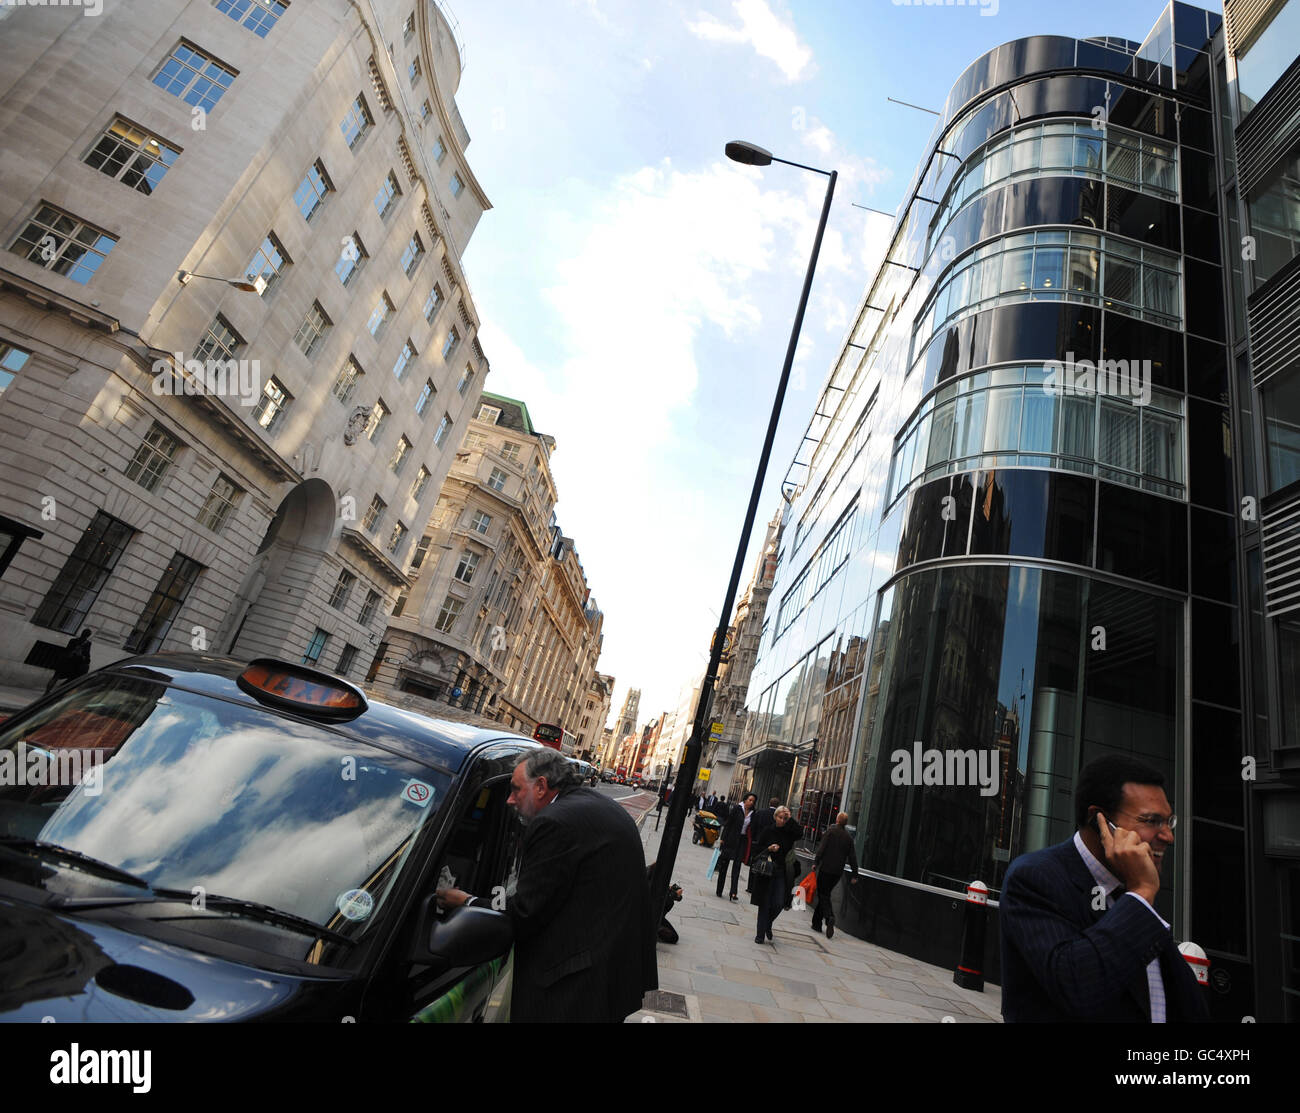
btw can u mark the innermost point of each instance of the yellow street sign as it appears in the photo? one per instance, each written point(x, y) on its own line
point(704, 774)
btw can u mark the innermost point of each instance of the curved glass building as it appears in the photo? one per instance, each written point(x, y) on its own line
point(1011, 541)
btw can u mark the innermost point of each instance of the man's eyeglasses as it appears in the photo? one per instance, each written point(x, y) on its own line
point(1156, 821)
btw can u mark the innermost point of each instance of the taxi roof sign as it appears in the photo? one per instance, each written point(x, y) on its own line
point(303, 690)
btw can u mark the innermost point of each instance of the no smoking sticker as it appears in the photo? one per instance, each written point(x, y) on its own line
point(417, 793)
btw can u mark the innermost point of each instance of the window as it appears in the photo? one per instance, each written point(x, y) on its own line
point(412, 255)
point(381, 313)
point(346, 660)
point(421, 551)
point(271, 406)
point(408, 28)
point(466, 377)
point(444, 427)
point(351, 259)
point(73, 593)
point(510, 451)
point(12, 360)
point(268, 263)
point(451, 607)
point(476, 441)
point(480, 522)
point(61, 243)
point(220, 341)
point(413, 71)
point(342, 589)
point(400, 606)
point(132, 156)
point(404, 358)
point(425, 110)
point(375, 423)
point(421, 481)
point(315, 647)
point(497, 480)
point(456, 185)
point(357, 122)
point(438, 150)
point(422, 403)
point(347, 380)
point(310, 194)
point(399, 455)
point(396, 538)
point(449, 345)
point(152, 458)
point(488, 413)
point(220, 503)
point(374, 515)
point(259, 16)
point(168, 597)
point(386, 198)
point(368, 607)
point(194, 76)
point(432, 302)
point(313, 329)
point(465, 569)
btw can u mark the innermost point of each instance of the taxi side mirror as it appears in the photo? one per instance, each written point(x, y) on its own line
point(465, 936)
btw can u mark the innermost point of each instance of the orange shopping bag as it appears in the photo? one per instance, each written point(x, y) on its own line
point(809, 887)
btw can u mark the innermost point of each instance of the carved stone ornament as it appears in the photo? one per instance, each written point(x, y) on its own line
point(356, 425)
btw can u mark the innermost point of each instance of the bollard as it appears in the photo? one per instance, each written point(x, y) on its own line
point(970, 967)
point(1197, 960)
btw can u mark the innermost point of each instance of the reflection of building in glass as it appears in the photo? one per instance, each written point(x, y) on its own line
point(1015, 508)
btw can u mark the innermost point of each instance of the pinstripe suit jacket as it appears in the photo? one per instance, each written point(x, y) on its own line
point(1062, 960)
point(584, 936)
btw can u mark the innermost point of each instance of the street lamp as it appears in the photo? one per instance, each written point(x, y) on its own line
point(257, 286)
point(749, 154)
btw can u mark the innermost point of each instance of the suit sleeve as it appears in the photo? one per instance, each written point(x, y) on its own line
point(545, 877)
point(1082, 970)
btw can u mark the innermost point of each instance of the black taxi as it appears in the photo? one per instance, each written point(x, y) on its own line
point(187, 837)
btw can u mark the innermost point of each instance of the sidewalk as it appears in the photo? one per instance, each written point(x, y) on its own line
point(716, 972)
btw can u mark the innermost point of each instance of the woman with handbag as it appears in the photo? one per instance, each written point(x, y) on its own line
point(768, 875)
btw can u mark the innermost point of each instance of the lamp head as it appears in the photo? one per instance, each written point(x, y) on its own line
point(749, 153)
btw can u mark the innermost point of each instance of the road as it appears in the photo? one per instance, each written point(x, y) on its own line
point(636, 801)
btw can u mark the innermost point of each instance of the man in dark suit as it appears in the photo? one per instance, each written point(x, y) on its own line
point(1081, 939)
point(835, 852)
point(584, 935)
point(732, 840)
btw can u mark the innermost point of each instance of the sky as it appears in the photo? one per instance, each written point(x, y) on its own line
point(637, 289)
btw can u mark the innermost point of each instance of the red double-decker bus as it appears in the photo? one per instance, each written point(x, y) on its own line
point(548, 734)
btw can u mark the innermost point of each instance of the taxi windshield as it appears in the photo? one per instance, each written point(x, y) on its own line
point(196, 795)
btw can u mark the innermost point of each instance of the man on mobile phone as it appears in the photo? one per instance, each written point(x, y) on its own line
point(1081, 939)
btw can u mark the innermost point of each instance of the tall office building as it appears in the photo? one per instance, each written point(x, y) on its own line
point(237, 347)
point(1021, 536)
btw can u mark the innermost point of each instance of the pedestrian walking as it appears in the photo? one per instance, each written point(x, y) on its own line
point(769, 877)
point(836, 850)
point(584, 937)
point(734, 842)
point(73, 660)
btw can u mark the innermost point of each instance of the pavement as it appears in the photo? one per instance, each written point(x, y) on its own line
point(717, 973)
point(15, 699)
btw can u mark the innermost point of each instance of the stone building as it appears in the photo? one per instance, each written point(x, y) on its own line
point(591, 726)
point(719, 755)
point(498, 619)
point(239, 349)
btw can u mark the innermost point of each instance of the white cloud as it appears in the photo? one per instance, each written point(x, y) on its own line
point(760, 27)
point(820, 137)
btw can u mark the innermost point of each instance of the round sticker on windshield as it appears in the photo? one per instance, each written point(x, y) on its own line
point(356, 904)
point(418, 793)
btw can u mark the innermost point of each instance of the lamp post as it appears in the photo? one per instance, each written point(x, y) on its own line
point(255, 287)
point(751, 155)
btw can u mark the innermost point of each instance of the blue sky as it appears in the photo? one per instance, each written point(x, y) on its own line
point(637, 289)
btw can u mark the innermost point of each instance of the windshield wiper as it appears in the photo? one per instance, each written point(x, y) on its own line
point(84, 861)
point(257, 910)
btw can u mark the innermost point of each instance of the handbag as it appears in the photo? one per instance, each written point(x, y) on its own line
point(809, 887)
point(762, 865)
point(713, 863)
